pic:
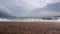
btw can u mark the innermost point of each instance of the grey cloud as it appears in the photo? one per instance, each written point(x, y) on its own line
point(14, 8)
point(53, 6)
point(52, 9)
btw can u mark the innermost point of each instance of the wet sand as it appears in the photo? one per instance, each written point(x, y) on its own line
point(29, 28)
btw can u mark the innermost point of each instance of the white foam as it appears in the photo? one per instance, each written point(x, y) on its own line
point(1, 19)
point(29, 20)
point(37, 20)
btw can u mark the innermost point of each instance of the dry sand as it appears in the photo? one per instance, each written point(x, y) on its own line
point(29, 28)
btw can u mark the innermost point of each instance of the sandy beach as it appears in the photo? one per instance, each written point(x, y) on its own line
point(29, 28)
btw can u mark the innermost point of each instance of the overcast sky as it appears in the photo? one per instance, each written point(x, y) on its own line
point(28, 8)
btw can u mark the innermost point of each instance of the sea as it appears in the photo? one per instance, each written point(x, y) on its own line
point(30, 19)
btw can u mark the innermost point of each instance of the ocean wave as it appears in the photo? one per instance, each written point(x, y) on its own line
point(4, 19)
point(29, 20)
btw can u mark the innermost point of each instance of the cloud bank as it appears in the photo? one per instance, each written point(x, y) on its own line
point(31, 8)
